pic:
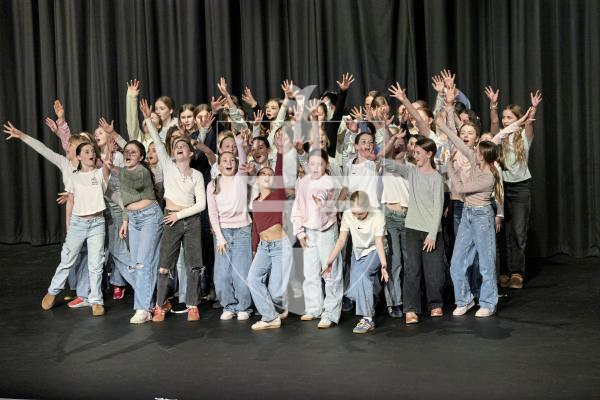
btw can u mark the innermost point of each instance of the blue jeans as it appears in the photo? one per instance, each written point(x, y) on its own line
point(476, 236)
point(231, 270)
point(118, 253)
point(273, 261)
point(396, 236)
point(363, 273)
point(473, 270)
point(82, 230)
point(144, 232)
point(320, 245)
point(81, 274)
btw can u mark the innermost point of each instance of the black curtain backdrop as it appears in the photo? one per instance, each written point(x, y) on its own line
point(83, 52)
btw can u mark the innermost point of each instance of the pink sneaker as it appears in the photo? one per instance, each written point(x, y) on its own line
point(118, 293)
point(78, 302)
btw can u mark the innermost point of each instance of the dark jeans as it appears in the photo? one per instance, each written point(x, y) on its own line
point(517, 206)
point(430, 266)
point(188, 232)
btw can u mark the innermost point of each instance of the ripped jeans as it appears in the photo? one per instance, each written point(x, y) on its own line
point(186, 231)
point(144, 232)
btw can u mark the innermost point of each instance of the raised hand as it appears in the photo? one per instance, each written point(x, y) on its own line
point(222, 85)
point(536, 98)
point(59, 110)
point(448, 78)
point(288, 89)
point(145, 108)
point(207, 120)
point(369, 114)
point(106, 127)
point(248, 98)
point(133, 87)
point(312, 105)
point(258, 117)
point(493, 96)
point(357, 114)
point(12, 132)
point(51, 124)
point(437, 82)
point(216, 105)
point(451, 94)
point(347, 80)
point(440, 119)
point(397, 92)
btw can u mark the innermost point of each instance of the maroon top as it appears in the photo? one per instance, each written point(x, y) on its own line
point(269, 211)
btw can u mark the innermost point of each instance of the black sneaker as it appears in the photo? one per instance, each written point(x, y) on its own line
point(179, 308)
point(347, 304)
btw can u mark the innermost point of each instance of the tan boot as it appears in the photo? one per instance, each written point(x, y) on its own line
point(97, 310)
point(516, 281)
point(504, 281)
point(48, 301)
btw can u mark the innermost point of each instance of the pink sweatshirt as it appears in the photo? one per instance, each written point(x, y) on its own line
point(305, 213)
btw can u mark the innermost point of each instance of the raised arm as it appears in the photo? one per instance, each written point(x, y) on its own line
point(131, 110)
point(494, 120)
point(161, 150)
point(536, 99)
point(398, 93)
point(234, 113)
point(110, 129)
point(332, 127)
point(514, 127)
point(13, 133)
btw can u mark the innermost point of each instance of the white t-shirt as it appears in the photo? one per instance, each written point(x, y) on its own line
point(363, 231)
point(363, 177)
point(88, 191)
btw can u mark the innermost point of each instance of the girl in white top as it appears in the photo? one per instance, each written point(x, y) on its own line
point(314, 218)
point(514, 156)
point(86, 189)
point(185, 199)
point(367, 227)
point(227, 197)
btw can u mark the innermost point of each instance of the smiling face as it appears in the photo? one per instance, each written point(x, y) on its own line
point(260, 152)
point(163, 111)
point(227, 164)
point(271, 109)
point(364, 147)
point(101, 137)
point(468, 135)
point(317, 166)
point(265, 178)
point(186, 119)
point(508, 117)
point(133, 156)
point(422, 157)
point(181, 150)
point(151, 154)
point(87, 156)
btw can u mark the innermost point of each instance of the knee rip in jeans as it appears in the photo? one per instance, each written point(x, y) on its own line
point(138, 266)
point(198, 269)
point(163, 271)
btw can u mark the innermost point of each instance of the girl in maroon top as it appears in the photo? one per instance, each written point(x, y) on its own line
point(273, 256)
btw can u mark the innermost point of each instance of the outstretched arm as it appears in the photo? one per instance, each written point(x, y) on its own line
point(398, 93)
point(494, 120)
point(536, 99)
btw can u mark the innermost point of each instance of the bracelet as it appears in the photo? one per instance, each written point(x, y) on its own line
point(494, 107)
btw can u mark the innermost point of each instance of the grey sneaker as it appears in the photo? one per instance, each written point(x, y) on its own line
point(364, 326)
point(462, 310)
point(395, 312)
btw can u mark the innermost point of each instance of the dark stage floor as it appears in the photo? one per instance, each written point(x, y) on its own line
point(544, 343)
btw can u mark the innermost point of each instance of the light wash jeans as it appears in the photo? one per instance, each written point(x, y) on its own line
point(81, 274)
point(82, 230)
point(476, 236)
point(273, 262)
point(396, 236)
point(473, 271)
point(320, 245)
point(144, 232)
point(363, 273)
point(231, 270)
point(181, 277)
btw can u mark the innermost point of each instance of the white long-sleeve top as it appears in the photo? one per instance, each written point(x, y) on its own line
point(185, 191)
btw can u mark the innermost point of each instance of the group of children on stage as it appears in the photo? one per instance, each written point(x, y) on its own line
point(374, 197)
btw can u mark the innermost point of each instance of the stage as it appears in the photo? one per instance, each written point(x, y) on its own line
point(543, 343)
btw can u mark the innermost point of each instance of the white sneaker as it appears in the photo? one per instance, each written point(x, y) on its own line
point(283, 315)
point(462, 310)
point(484, 312)
point(243, 315)
point(324, 323)
point(307, 317)
point(262, 325)
point(140, 317)
point(227, 315)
